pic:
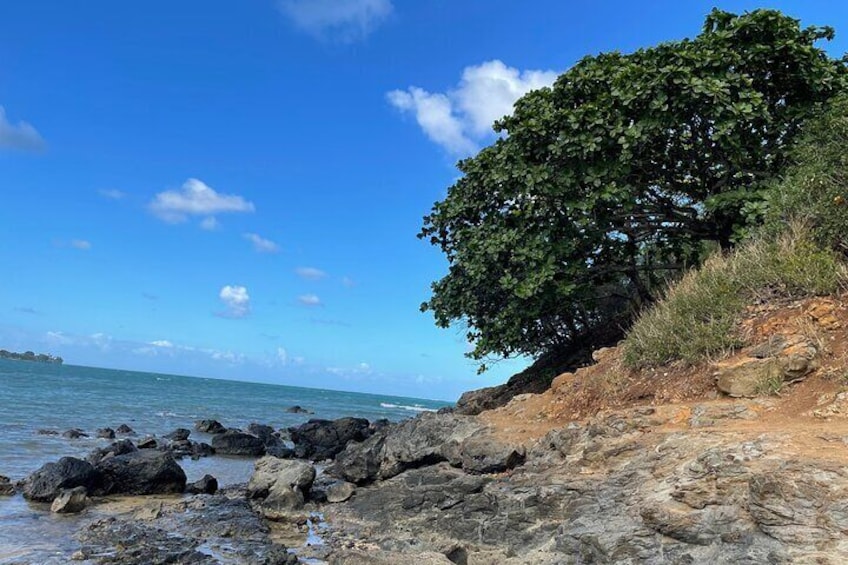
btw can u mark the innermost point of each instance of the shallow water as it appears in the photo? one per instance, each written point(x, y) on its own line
point(37, 396)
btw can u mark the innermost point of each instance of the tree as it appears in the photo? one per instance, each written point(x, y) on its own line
point(611, 181)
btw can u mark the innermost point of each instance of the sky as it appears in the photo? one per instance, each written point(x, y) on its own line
point(233, 189)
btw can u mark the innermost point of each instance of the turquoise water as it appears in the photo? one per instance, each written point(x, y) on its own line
point(36, 396)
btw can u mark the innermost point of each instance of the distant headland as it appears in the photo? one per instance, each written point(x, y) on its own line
point(30, 356)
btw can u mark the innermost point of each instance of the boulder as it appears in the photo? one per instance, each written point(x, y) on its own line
point(106, 433)
point(424, 440)
point(74, 433)
point(207, 485)
point(482, 454)
point(45, 432)
point(45, 484)
point(328, 489)
point(120, 447)
point(765, 368)
point(125, 430)
point(297, 410)
point(234, 442)
point(148, 442)
point(70, 501)
point(263, 432)
point(6, 486)
point(200, 449)
point(143, 472)
point(323, 439)
point(280, 485)
point(340, 491)
point(180, 434)
point(209, 427)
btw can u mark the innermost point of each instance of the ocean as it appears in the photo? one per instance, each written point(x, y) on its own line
point(38, 396)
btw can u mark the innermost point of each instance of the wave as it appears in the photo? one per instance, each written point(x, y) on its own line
point(414, 408)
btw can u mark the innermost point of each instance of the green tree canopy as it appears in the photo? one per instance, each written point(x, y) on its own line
point(612, 180)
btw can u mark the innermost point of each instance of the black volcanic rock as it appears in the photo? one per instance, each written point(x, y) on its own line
point(234, 442)
point(45, 484)
point(323, 439)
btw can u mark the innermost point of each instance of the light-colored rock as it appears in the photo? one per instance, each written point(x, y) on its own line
point(340, 491)
point(280, 484)
point(70, 501)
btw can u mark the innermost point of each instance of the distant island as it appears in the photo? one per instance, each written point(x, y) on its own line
point(30, 356)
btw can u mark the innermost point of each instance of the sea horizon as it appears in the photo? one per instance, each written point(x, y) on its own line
point(188, 376)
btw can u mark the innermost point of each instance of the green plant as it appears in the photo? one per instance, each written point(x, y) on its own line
point(698, 316)
point(815, 190)
point(615, 179)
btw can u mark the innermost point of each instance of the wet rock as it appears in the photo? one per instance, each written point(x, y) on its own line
point(124, 429)
point(120, 447)
point(280, 451)
point(180, 434)
point(323, 439)
point(45, 432)
point(74, 433)
point(280, 485)
point(143, 472)
point(147, 442)
point(297, 410)
point(209, 427)
point(234, 442)
point(263, 432)
point(190, 530)
point(45, 484)
point(200, 449)
point(106, 433)
point(70, 501)
point(6, 486)
point(207, 485)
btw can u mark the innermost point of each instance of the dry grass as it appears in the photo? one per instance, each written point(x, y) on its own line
point(698, 317)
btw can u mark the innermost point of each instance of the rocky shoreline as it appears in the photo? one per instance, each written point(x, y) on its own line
point(675, 484)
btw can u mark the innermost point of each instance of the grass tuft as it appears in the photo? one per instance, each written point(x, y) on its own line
point(697, 319)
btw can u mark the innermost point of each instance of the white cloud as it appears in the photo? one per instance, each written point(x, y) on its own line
point(310, 273)
point(237, 301)
point(195, 198)
point(309, 300)
point(343, 20)
point(461, 119)
point(162, 343)
point(112, 194)
point(260, 244)
point(210, 223)
point(81, 244)
point(282, 356)
point(58, 338)
point(358, 370)
point(19, 136)
point(348, 282)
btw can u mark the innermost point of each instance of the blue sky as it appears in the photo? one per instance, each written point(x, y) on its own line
point(233, 189)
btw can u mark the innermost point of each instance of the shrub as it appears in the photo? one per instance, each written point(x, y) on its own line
point(697, 317)
point(815, 190)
